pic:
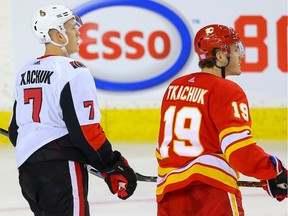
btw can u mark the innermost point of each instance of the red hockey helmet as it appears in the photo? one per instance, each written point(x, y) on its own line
point(215, 36)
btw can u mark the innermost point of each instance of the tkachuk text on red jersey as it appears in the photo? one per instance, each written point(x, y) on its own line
point(186, 93)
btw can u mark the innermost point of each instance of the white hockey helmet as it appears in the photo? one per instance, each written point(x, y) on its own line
point(51, 17)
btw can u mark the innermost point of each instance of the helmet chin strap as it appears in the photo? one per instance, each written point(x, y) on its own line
point(63, 46)
point(223, 68)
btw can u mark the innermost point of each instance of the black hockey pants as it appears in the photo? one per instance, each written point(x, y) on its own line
point(55, 188)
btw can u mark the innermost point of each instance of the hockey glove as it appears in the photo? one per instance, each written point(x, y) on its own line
point(121, 178)
point(277, 187)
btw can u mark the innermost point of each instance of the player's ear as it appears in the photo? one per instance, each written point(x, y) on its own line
point(61, 37)
point(219, 56)
point(57, 36)
point(52, 34)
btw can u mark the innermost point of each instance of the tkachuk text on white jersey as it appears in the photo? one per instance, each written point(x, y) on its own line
point(36, 76)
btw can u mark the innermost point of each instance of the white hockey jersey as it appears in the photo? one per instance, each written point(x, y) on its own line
point(54, 96)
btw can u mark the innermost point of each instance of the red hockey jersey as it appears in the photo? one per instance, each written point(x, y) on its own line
point(205, 135)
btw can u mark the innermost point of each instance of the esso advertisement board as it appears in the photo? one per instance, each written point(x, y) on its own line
point(134, 48)
point(132, 45)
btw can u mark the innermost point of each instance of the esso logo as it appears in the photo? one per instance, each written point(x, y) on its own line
point(132, 45)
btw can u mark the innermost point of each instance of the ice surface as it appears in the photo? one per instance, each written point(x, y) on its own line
point(141, 157)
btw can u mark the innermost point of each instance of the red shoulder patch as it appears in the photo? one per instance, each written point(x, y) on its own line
point(77, 64)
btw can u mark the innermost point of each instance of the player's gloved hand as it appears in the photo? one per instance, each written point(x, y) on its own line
point(277, 187)
point(120, 178)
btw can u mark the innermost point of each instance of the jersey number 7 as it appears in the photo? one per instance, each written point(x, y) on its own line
point(34, 94)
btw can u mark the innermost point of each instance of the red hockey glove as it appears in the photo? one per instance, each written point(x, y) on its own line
point(277, 187)
point(121, 178)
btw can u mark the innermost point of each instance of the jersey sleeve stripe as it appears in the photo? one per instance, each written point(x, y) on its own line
point(232, 138)
point(238, 145)
point(94, 135)
point(230, 130)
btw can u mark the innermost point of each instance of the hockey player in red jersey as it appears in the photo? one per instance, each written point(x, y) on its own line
point(55, 125)
point(205, 136)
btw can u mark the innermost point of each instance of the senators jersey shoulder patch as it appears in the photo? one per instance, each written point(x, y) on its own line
point(77, 64)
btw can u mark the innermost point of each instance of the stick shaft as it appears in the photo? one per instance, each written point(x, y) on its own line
point(138, 176)
point(249, 184)
point(154, 179)
point(4, 132)
point(151, 178)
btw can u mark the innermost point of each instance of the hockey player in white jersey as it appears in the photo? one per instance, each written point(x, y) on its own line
point(55, 125)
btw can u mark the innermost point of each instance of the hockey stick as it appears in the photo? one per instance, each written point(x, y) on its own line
point(96, 172)
point(138, 176)
point(144, 178)
point(154, 179)
point(4, 132)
